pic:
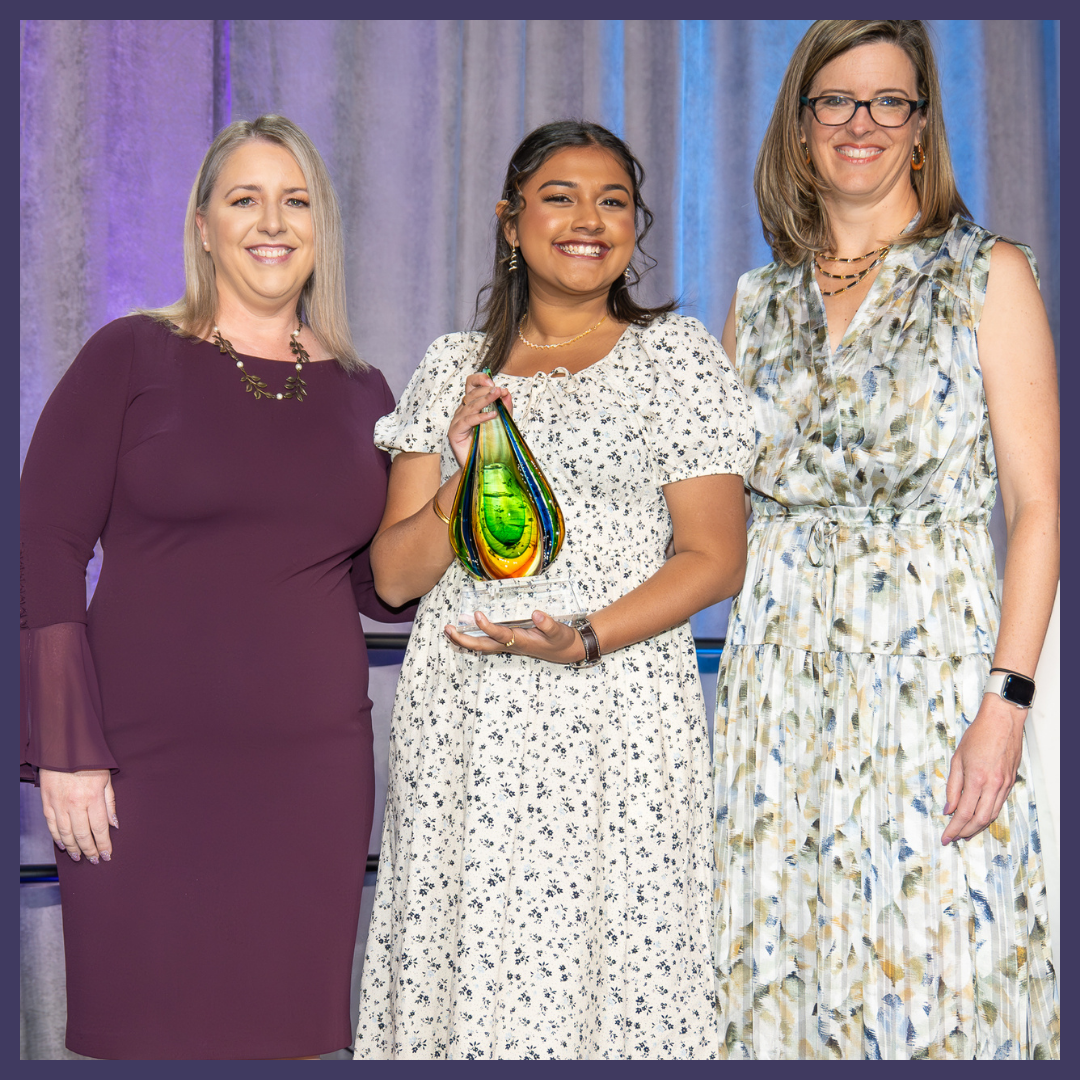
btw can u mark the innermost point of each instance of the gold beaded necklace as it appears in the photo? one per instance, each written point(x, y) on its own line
point(295, 387)
point(558, 344)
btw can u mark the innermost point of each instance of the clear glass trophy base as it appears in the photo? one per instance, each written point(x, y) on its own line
point(511, 602)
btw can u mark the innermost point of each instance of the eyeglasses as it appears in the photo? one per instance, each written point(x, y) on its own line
point(833, 110)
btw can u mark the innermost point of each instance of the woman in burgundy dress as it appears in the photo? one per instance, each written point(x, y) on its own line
point(202, 734)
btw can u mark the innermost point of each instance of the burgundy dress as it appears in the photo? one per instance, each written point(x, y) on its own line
point(221, 674)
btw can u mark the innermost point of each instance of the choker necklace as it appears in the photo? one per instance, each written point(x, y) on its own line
point(295, 387)
point(558, 344)
point(878, 255)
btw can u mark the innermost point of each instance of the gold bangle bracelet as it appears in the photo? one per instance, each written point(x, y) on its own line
point(435, 506)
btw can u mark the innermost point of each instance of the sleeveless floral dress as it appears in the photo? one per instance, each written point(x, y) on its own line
point(855, 659)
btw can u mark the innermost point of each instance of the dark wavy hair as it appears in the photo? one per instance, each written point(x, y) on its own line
point(507, 294)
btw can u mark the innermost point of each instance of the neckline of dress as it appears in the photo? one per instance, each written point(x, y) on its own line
point(864, 304)
point(581, 371)
point(888, 260)
point(269, 360)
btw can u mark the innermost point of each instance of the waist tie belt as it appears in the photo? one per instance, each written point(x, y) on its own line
point(822, 543)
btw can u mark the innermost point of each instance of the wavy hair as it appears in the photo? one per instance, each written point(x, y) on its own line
point(507, 294)
point(322, 300)
point(793, 215)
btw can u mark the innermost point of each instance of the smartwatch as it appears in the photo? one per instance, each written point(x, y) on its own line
point(1015, 688)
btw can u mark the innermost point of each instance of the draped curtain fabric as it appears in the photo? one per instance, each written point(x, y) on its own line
point(416, 121)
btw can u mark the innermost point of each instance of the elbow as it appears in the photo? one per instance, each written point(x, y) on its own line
point(395, 577)
point(391, 595)
point(731, 580)
point(389, 585)
point(727, 578)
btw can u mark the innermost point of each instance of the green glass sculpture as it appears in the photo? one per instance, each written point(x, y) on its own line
point(506, 522)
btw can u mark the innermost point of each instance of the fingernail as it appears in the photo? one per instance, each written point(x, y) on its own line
point(106, 857)
point(112, 821)
point(60, 846)
point(947, 809)
point(74, 856)
point(93, 860)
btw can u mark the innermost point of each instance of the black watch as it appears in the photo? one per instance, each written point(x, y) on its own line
point(1015, 688)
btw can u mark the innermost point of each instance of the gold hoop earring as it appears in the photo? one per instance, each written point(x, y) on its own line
point(918, 158)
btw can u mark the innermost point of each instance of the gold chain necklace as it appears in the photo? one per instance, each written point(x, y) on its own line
point(295, 387)
point(878, 255)
point(858, 258)
point(558, 344)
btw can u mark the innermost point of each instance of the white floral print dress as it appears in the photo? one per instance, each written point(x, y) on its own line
point(856, 656)
point(546, 873)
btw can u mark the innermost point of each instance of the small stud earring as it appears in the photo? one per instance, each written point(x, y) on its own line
point(513, 264)
point(206, 245)
point(806, 153)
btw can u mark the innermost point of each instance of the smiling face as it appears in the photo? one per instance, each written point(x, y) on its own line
point(257, 228)
point(576, 231)
point(861, 161)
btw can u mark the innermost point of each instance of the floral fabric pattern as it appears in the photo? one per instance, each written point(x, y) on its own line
point(546, 874)
point(855, 659)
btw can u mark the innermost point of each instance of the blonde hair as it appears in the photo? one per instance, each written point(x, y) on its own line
point(322, 299)
point(793, 216)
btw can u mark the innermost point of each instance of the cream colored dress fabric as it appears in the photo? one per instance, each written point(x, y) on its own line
point(855, 658)
point(546, 874)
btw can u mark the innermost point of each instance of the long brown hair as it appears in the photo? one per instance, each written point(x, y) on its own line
point(793, 216)
point(507, 293)
point(322, 300)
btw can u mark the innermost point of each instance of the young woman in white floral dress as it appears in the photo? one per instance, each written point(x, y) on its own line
point(546, 873)
point(881, 890)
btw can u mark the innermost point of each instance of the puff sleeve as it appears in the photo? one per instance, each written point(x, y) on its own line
point(696, 412)
point(419, 423)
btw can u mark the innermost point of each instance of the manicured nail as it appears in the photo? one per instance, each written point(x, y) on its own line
point(74, 856)
point(60, 846)
point(93, 860)
point(106, 856)
point(113, 822)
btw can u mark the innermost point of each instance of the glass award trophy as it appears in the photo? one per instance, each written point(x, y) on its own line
point(506, 528)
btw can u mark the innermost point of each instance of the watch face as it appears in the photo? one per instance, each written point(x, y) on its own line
point(1018, 690)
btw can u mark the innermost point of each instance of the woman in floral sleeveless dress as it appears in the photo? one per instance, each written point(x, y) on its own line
point(880, 886)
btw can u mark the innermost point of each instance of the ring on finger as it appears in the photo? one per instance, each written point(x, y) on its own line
point(513, 638)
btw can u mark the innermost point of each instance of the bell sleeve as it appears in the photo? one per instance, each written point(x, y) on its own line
point(64, 501)
point(698, 414)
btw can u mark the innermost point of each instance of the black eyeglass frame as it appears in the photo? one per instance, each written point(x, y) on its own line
point(913, 107)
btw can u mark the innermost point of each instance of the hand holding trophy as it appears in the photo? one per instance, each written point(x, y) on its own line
point(506, 528)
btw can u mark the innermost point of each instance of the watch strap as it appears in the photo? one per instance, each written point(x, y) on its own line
point(1011, 686)
point(591, 643)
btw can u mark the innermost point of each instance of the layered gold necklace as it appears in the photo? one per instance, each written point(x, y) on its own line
point(878, 254)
